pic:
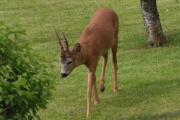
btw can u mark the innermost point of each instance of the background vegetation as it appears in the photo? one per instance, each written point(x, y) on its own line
point(148, 78)
point(25, 80)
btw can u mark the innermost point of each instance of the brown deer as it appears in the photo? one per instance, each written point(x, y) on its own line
point(95, 41)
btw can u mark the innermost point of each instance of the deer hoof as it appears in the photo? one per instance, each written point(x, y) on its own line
point(102, 89)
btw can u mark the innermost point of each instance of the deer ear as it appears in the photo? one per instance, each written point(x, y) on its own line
point(77, 48)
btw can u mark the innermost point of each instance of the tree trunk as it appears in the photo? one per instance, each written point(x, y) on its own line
point(152, 23)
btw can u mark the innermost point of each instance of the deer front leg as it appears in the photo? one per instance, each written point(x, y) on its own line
point(96, 98)
point(91, 82)
point(102, 81)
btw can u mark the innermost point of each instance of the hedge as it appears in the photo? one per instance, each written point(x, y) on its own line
point(25, 80)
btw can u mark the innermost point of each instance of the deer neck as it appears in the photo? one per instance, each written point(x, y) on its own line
point(80, 58)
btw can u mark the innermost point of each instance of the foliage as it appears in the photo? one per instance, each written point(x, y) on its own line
point(148, 79)
point(24, 80)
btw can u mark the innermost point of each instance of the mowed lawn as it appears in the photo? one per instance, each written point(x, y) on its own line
point(148, 78)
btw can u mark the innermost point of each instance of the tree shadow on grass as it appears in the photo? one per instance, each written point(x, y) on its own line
point(173, 38)
point(140, 40)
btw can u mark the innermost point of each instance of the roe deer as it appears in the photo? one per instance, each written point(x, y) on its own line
point(95, 41)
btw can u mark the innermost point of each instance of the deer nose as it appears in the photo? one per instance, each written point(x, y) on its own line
point(63, 75)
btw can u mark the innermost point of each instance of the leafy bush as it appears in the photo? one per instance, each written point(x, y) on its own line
point(25, 82)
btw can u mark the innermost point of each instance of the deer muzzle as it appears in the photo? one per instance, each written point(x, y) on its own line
point(63, 75)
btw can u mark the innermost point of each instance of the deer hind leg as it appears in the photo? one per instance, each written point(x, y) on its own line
point(105, 59)
point(114, 51)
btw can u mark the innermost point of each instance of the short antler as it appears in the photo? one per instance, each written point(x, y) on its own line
point(59, 40)
point(65, 41)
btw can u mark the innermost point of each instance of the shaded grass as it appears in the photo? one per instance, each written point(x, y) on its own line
point(148, 78)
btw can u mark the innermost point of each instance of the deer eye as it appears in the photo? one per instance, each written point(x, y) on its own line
point(69, 63)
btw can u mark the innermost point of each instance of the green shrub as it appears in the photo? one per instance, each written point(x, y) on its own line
point(25, 82)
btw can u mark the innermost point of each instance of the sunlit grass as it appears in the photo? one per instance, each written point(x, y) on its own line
point(148, 78)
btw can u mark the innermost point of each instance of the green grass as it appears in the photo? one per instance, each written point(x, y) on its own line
point(148, 78)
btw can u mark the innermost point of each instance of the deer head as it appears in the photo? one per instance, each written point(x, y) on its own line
point(68, 56)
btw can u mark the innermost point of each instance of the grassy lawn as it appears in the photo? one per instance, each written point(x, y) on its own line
point(148, 78)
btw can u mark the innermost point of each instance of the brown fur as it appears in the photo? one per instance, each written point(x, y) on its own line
point(95, 41)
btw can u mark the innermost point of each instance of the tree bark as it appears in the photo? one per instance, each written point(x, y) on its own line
point(152, 23)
